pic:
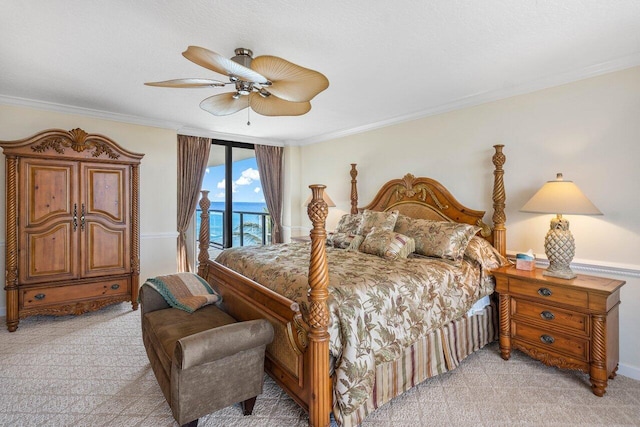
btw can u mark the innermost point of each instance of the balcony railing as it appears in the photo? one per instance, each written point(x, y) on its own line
point(249, 228)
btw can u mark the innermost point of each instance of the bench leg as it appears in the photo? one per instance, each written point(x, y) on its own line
point(247, 406)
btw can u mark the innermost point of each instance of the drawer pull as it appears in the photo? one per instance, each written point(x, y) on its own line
point(39, 296)
point(115, 286)
point(545, 292)
point(547, 339)
point(547, 315)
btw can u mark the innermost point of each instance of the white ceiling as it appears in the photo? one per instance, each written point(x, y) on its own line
point(387, 61)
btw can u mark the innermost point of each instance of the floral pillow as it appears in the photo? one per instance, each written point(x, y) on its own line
point(345, 230)
point(380, 220)
point(403, 224)
point(481, 252)
point(340, 240)
point(440, 239)
point(387, 244)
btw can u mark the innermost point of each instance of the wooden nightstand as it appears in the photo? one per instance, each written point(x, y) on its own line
point(306, 238)
point(571, 324)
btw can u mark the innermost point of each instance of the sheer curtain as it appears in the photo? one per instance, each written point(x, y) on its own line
point(193, 155)
point(269, 160)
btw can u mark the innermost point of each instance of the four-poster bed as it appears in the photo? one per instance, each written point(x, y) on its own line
point(299, 358)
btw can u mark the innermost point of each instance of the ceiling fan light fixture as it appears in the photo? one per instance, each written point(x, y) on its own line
point(244, 88)
point(290, 86)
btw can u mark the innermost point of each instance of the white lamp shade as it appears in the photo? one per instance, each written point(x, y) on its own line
point(326, 198)
point(560, 197)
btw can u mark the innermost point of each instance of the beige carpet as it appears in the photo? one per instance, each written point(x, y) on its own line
point(91, 370)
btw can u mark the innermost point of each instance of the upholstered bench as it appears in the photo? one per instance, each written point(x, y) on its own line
point(205, 360)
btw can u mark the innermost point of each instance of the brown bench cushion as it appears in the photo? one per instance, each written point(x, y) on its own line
point(166, 327)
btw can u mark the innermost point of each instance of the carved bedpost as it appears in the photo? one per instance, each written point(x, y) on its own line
point(499, 197)
point(11, 256)
point(354, 189)
point(203, 238)
point(320, 403)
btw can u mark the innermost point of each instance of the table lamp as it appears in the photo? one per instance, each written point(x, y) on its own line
point(562, 198)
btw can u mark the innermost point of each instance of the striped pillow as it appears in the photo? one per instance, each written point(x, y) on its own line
point(185, 291)
point(387, 244)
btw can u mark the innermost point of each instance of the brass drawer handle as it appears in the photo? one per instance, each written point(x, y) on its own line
point(547, 315)
point(115, 286)
point(545, 292)
point(547, 339)
point(39, 296)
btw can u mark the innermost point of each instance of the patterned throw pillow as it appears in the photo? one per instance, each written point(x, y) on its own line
point(380, 220)
point(403, 224)
point(349, 223)
point(387, 244)
point(345, 230)
point(481, 251)
point(440, 239)
point(340, 240)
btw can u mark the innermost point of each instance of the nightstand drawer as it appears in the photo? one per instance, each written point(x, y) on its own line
point(549, 293)
point(551, 316)
point(552, 340)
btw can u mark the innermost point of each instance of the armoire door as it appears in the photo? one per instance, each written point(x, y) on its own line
point(48, 220)
point(104, 218)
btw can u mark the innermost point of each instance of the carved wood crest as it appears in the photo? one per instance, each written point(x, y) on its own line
point(76, 140)
point(410, 191)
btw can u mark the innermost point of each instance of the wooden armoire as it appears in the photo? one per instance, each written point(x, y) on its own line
point(72, 230)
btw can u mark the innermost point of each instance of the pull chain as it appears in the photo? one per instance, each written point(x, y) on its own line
point(248, 113)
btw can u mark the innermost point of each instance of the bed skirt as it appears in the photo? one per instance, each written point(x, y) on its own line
point(436, 353)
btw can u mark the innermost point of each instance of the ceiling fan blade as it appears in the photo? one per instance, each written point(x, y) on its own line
point(274, 106)
point(188, 83)
point(218, 63)
point(290, 82)
point(224, 104)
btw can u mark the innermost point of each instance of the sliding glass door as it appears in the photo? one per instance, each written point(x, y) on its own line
point(238, 213)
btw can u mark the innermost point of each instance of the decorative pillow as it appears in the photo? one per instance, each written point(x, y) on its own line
point(185, 291)
point(387, 244)
point(481, 251)
point(441, 239)
point(403, 224)
point(345, 230)
point(380, 220)
point(340, 240)
point(349, 223)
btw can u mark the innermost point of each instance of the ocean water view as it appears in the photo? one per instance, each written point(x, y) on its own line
point(252, 215)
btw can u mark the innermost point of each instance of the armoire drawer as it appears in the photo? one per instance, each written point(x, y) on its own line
point(551, 316)
point(34, 297)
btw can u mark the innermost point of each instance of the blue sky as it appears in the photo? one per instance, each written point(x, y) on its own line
point(246, 182)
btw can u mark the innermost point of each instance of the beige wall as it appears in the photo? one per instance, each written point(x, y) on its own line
point(589, 130)
point(157, 178)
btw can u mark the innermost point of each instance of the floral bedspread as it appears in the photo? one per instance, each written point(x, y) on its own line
point(377, 306)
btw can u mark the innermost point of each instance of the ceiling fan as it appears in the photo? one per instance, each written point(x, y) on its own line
point(271, 86)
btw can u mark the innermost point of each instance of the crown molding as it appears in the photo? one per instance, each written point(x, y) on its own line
point(228, 136)
point(88, 112)
point(485, 97)
point(124, 118)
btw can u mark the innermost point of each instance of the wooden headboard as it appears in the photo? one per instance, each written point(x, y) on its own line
point(420, 197)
